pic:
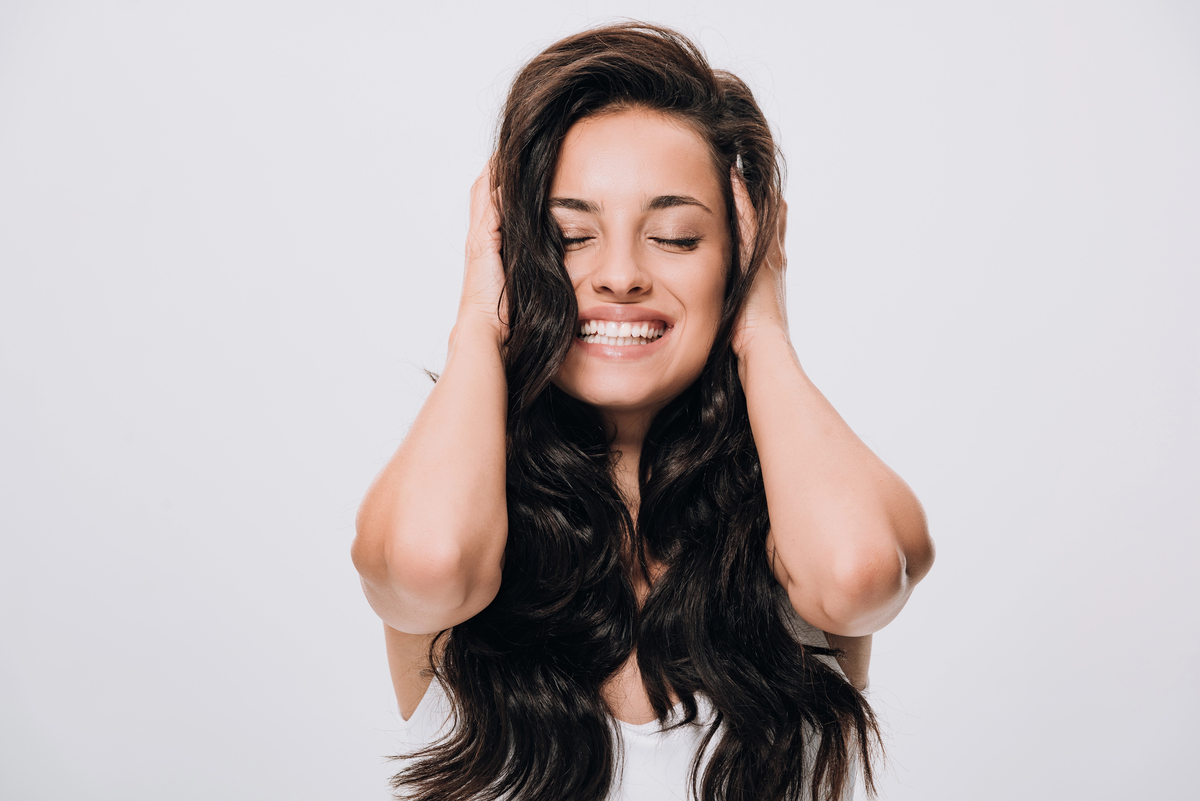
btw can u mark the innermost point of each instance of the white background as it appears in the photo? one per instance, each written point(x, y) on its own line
point(231, 234)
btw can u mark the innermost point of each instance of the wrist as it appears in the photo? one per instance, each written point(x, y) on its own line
point(479, 327)
point(765, 344)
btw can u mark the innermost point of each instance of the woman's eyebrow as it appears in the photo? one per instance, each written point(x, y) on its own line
point(656, 204)
point(575, 204)
point(668, 201)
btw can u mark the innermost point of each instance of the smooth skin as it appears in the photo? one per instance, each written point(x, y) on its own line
point(848, 540)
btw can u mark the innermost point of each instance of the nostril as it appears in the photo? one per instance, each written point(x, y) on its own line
point(616, 289)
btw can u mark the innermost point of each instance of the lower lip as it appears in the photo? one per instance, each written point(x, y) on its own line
point(622, 352)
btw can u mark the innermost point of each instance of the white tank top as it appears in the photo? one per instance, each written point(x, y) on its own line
point(656, 762)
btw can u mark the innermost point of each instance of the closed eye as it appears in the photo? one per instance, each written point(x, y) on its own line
point(683, 244)
point(572, 242)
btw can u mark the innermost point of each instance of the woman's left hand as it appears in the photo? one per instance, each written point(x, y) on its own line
point(766, 306)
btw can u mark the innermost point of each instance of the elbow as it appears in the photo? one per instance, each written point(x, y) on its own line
point(910, 532)
point(393, 548)
point(919, 555)
point(870, 585)
point(867, 587)
point(366, 552)
point(864, 579)
point(370, 550)
point(866, 591)
point(419, 578)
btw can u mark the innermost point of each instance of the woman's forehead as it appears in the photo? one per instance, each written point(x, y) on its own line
point(636, 155)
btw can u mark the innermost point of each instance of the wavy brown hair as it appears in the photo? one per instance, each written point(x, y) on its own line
point(525, 675)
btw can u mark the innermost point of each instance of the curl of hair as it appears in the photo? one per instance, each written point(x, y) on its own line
point(525, 675)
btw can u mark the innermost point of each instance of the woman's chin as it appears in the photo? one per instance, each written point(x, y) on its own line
point(625, 379)
point(617, 398)
point(610, 403)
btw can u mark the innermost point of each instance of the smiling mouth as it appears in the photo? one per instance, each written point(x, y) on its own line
point(609, 332)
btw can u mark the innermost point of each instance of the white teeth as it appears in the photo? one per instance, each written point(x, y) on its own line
point(618, 341)
point(610, 332)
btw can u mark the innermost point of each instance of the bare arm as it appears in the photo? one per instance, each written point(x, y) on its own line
point(432, 528)
point(408, 661)
point(855, 659)
point(848, 538)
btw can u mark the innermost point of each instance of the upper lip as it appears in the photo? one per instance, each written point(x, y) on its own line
point(632, 313)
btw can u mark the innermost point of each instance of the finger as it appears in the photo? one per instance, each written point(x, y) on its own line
point(481, 195)
point(493, 191)
point(783, 208)
point(746, 216)
point(484, 223)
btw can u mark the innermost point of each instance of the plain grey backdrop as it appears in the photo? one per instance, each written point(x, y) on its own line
point(231, 235)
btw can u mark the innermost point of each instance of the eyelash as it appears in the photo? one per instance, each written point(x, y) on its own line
point(688, 243)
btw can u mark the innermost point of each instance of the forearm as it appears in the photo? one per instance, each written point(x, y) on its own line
point(432, 528)
point(848, 537)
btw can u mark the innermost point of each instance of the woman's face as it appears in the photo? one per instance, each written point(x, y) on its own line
point(643, 218)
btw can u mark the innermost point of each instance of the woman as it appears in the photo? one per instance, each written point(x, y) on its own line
point(623, 509)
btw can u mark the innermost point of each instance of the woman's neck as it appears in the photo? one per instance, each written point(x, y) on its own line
point(628, 433)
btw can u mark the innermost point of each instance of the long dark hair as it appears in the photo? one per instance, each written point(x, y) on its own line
point(525, 675)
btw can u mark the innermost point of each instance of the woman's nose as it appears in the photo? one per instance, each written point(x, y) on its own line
point(621, 274)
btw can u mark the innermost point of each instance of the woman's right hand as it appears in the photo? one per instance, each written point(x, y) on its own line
point(483, 273)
